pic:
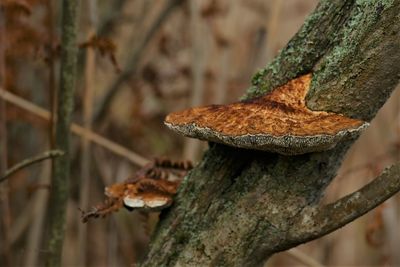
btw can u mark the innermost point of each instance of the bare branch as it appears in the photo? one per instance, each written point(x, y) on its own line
point(192, 146)
point(5, 222)
point(256, 202)
point(29, 161)
point(86, 163)
point(317, 222)
point(65, 102)
point(75, 128)
point(303, 258)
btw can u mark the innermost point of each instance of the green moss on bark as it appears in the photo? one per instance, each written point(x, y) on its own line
point(368, 48)
point(300, 55)
point(237, 206)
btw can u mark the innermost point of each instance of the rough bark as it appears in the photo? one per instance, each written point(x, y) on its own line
point(315, 222)
point(60, 180)
point(238, 207)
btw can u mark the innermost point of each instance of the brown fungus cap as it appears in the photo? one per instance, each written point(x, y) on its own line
point(277, 122)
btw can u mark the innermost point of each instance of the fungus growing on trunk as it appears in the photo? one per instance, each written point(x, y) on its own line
point(149, 194)
point(151, 188)
point(277, 122)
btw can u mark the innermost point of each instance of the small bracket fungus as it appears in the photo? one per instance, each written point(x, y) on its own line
point(149, 194)
point(277, 122)
point(150, 189)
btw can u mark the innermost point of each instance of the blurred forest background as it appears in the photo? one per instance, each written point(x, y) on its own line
point(138, 61)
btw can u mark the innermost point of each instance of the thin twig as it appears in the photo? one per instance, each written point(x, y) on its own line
point(27, 162)
point(303, 257)
point(222, 80)
point(75, 128)
point(3, 126)
point(39, 201)
point(91, 10)
point(272, 28)
point(191, 146)
point(24, 220)
point(52, 74)
point(6, 251)
point(37, 219)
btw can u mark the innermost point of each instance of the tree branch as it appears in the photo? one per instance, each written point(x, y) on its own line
point(65, 103)
point(303, 258)
point(316, 222)
point(5, 222)
point(133, 157)
point(27, 162)
point(238, 207)
point(86, 163)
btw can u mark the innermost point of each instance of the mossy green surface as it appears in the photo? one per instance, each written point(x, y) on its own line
point(366, 49)
point(237, 206)
point(304, 50)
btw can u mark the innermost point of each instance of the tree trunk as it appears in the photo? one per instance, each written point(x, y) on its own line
point(238, 207)
point(61, 169)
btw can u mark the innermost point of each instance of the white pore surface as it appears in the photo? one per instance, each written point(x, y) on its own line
point(156, 203)
point(285, 145)
point(134, 202)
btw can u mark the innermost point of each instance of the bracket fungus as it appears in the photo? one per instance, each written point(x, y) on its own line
point(149, 194)
point(151, 188)
point(278, 122)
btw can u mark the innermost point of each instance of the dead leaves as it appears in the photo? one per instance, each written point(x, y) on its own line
point(105, 46)
point(150, 189)
point(16, 7)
